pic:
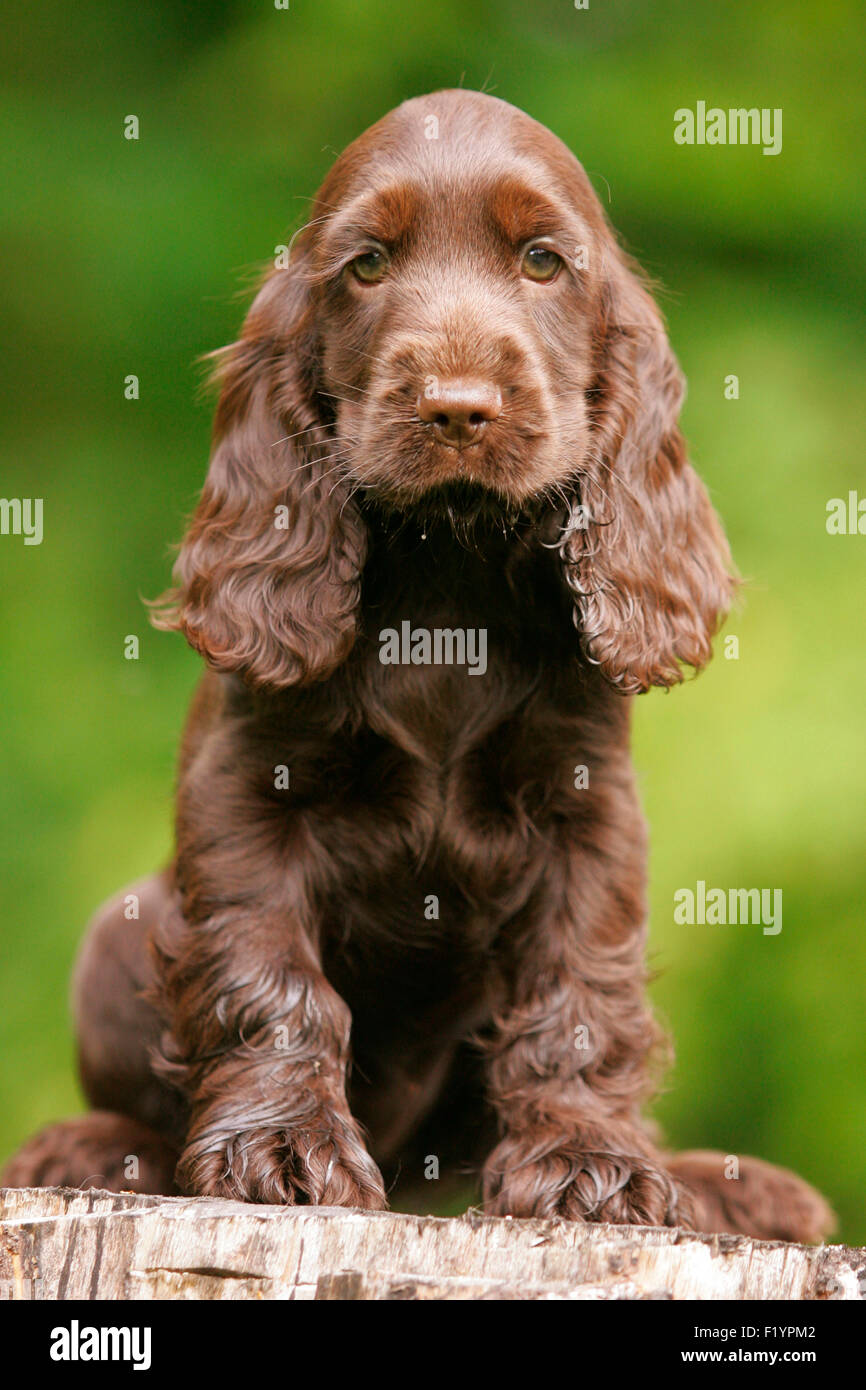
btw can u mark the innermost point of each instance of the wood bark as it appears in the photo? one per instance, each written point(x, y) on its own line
point(57, 1243)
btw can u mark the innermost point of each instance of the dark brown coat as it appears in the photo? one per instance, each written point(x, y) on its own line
point(456, 406)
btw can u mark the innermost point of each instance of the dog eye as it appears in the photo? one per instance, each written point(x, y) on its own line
point(541, 264)
point(369, 268)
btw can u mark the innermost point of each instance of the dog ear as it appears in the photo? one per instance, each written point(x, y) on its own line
point(643, 550)
point(268, 575)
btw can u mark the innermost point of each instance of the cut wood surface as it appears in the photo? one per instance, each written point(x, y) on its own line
point(60, 1243)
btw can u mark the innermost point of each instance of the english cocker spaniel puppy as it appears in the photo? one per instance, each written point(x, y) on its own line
point(449, 530)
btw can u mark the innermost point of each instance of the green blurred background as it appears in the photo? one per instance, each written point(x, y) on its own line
point(126, 257)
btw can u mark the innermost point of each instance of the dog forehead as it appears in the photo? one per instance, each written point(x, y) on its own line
point(455, 142)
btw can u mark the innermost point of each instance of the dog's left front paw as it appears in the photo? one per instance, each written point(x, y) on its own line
point(585, 1185)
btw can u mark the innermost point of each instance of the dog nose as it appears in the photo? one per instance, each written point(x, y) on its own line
point(459, 408)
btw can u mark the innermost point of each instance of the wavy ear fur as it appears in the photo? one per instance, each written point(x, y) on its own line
point(644, 553)
point(268, 575)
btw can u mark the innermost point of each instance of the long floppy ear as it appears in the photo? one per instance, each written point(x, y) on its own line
point(643, 551)
point(268, 575)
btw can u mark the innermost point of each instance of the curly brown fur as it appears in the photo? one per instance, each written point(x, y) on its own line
point(102, 1150)
point(465, 444)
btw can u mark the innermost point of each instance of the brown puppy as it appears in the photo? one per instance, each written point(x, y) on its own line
point(449, 430)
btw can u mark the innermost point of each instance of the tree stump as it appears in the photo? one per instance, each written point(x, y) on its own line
point(58, 1243)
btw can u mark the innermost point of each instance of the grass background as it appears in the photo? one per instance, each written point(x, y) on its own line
point(124, 257)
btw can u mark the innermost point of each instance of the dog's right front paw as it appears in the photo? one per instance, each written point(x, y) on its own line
point(310, 1166)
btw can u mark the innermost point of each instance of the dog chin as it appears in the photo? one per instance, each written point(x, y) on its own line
point(466, 507)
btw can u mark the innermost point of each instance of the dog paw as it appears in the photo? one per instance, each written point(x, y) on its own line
point(309, 1166)
point(584, 1185)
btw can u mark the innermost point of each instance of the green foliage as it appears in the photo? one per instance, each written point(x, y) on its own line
point(123, 257)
